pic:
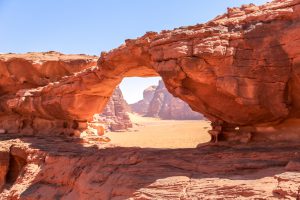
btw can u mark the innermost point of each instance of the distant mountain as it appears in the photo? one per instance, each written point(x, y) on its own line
point(158, 102)
point(141, 107)
point(115, 116)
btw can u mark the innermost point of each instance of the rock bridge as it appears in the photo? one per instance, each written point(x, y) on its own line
point(241, 69)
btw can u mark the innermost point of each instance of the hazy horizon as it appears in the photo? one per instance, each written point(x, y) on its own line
point(132, 96)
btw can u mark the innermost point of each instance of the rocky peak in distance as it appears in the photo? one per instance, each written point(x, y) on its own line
point(158, 102)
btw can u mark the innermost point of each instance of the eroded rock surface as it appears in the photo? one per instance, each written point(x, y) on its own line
point(60, 168)
point(115, 115)
point(21, 72)
point(165, 106)
point(33, 70)
point(141, 107)
point(158, 102)
point(240, 68)
point(4, 164)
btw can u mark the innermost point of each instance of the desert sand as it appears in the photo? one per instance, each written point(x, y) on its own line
point(157, 133)
point(241, 70)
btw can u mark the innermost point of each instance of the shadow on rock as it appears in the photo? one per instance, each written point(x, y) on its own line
point(61, 168)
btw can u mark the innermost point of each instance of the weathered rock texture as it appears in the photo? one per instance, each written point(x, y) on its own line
point(19, 73)
point(57, 168)
point(32, 70)
point(115, 117)
point(24, 71)
point(165, 106)
point(242, 69)
point(141, 107)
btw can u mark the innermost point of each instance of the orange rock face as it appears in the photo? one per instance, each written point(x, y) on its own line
point(57, 167)
point(165, 106)
point(19, 73)
point(240, 68)
point(32, 70)
point(158, 102)
point(4, 164)
point(115, 117)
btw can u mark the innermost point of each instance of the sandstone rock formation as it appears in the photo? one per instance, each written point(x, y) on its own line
point(158, 102)
point(141, 107)
point(20, 72)
point(31, 70)
point(165, 106)
point(58, 168)
point(241, 69)
point(115, 117)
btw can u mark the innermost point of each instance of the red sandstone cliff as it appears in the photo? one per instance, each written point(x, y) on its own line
point(56, 168)
point(158, 102)
point(20, 72)
point(141, 107)
point(115, 117)
point(240, 70)
point(23, 71)
point(165, 106)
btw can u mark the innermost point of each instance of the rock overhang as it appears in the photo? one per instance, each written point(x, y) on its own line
point(240, 68)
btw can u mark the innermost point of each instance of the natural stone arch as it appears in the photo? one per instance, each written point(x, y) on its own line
point(230, 69)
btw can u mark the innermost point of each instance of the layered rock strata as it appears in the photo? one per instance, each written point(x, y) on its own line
point(115, 116)
point(242, 69)
point(158, 102)
point(21, 72)
point(60, 168)
point(165, 106)
point(34, 70)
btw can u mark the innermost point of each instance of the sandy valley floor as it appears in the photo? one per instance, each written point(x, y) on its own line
point(156, 133)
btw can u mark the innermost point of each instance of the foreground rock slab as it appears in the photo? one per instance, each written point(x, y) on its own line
point(61, 168)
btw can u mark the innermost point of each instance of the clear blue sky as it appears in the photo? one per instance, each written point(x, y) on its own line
point(92, 26)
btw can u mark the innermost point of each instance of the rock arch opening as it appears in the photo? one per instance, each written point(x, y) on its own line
point(221, 69)
point(158, 119)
